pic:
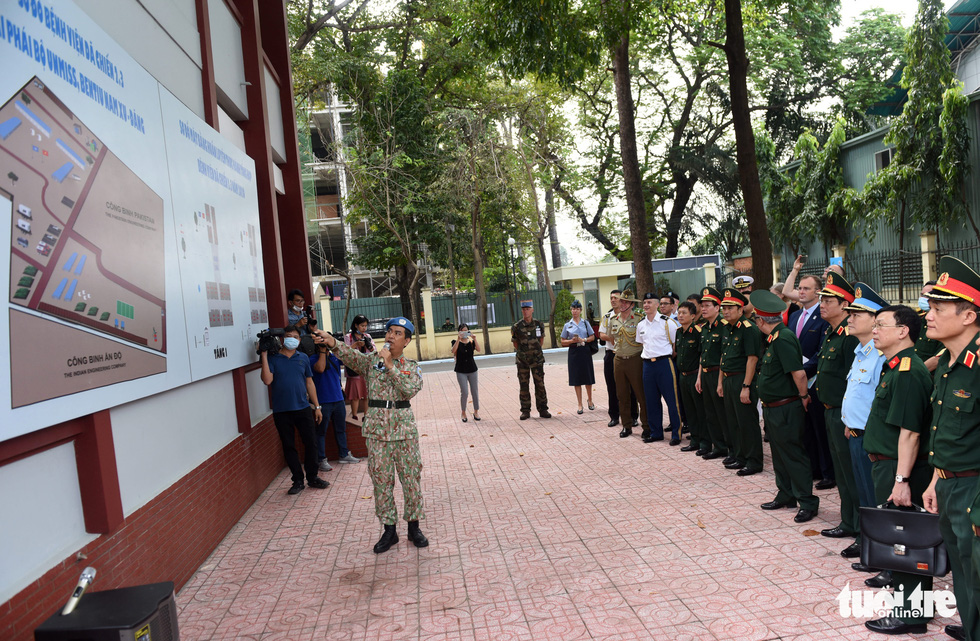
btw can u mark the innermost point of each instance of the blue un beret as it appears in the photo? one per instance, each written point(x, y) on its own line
point(401, 321)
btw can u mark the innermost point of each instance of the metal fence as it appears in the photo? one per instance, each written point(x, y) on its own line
point(503, 309)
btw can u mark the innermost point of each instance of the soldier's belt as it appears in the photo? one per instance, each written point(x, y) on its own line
point(947, 474)
point(693, 371)
point(389, 405)
point(879, 457)
point(727, 374)
point(855, 433)
point(626, 358)
point(830, 407)
point(710, 369)
point(657, 358)
point(780, 402)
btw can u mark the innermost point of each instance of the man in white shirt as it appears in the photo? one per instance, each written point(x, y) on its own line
point(658, 335)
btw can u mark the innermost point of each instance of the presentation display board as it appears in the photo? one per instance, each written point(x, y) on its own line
point(134, 257)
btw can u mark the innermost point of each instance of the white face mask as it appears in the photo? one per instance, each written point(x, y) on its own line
point(297, 309)
point(923, 303)
point(290, 342)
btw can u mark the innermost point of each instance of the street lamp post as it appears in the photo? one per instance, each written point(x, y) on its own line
point(513, 268)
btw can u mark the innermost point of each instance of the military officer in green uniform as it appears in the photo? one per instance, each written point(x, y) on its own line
point(527, 335)
point(833, 365)
point(927, 348)
point(954, 434)
point(389, 427)
point(713, 333)
point(689, 364)
point(784, 395)
point(737, 385)
point(899, 414)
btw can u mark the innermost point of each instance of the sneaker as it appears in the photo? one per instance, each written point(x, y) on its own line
point(318, 483)
point(350, 458)
point(325, 466)
point(295, 489)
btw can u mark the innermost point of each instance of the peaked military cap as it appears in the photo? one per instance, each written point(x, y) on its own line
point(866, 299)
point(711, 294)
point(957, 281)
point(742, 281)
point(651, 296)
point(838, 287)
point(734, 297)
point(766, 303)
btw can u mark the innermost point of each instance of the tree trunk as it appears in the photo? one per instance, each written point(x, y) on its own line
point(748, 170)
point(901, 253)
point(683, 189)
point(479, 255)
point(639, 238)
point(549, 210)
point(551, 294)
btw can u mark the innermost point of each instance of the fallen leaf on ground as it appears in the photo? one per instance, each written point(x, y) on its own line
point(547, 493)
point(472, 446)
point(551, 437)
point(365, 497)
point(701, 525)
point(810, 533)
point(522, 453)
point(425, 435)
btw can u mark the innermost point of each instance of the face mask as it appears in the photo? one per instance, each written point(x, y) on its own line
point(291, 342)
point(923, 303)
point(297, 309)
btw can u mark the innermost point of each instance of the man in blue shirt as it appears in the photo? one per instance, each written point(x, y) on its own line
point(294, 312)
point(862, 382)
point(293, 395)
point(326, 379)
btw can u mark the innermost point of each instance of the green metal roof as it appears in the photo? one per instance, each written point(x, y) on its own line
point(964, 27)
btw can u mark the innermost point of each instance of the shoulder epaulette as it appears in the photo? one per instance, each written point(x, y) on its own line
point(905, 365)
point(724, 322)
point(698, 327)
point(746, 324)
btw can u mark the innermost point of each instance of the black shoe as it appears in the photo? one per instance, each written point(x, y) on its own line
point(580, 412)
point(676, 441)
point(882, 580)
point(712, 455)
point(688, 448)
point(852, 551)
point(729, 459)
point(704, 451)
point(893, 625)
point(544, 414)
point(626, 431)
point(775, 505)
point(734, 465)
point(956, 631)
point(836, 532)
point(415, 535)
point(613, 423)
point(319, 484)
point(861, 567)
point(804, 515)
point(295, 489)
point(826, 484)
point(389, 538)
point(748, 471)
point(525, 416)
point(645, 434)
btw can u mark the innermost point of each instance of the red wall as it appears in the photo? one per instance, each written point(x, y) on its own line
point(165, 540)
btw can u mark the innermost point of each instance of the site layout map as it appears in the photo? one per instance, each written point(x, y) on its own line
point(87, 248)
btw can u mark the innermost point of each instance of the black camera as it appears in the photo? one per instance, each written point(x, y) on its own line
point(270, 340)
point(308, 315)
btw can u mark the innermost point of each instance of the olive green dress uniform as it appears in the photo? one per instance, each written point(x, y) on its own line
point(530, 363)
point(901, 402)
point(744, 339)
point(688, 364)
point(925, 347)
point(785, 422)
point(954, 448)
point(833, 366)
point(712, 343)
point(391, 436)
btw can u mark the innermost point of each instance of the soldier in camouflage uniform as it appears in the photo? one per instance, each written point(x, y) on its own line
point(389, 427)
point(528, 336)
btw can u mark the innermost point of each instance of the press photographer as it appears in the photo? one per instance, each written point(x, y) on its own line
point(294, 406)
point(299, 313)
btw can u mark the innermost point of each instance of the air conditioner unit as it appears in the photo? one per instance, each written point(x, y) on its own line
point(139, 613)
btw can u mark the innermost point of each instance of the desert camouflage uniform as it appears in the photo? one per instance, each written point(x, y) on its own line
point(530, 363)
point(390, 434)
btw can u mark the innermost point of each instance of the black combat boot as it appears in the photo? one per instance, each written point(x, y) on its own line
point(389, 538)
point(415, 535)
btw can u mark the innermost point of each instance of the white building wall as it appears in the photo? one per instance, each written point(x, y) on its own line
point(162, 438)
point(229, 60)
point(42, 517)
point(969, 71)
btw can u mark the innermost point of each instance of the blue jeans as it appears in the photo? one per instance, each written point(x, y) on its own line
point(659, 381)
point(337, 414)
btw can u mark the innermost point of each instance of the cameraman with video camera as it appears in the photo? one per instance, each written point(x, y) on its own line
point(293, 395)
point(299, 313)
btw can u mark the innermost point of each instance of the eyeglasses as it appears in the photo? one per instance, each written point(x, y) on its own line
point(880, 326)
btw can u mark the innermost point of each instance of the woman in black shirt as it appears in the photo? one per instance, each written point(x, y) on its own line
point(466, 374)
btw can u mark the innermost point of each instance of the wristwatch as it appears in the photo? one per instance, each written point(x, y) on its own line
point(901, 479)
point(746, 386)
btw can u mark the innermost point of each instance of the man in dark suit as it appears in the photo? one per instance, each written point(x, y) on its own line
point(810, 328)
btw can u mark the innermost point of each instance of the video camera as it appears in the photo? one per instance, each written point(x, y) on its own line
point(270, 340)
point(308, 315)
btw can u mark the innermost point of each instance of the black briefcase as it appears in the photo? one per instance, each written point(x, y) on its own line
point(903, 539)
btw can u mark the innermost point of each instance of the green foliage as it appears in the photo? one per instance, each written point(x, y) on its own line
point(563, 305)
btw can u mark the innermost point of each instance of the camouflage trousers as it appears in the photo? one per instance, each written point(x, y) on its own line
point(384, 459)
point(525, 373)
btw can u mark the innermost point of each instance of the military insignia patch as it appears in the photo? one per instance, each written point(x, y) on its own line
point(746, 324)
point(906, 364)
point(830, 278)
point(840, 330)
point(893, 362)
point(969, 358)
point(943, 279)
point(857, 293)
point(728, 293)
point(960, 393)
point(705, 292)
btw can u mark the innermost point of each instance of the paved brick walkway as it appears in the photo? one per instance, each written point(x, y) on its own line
point(539, 529)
